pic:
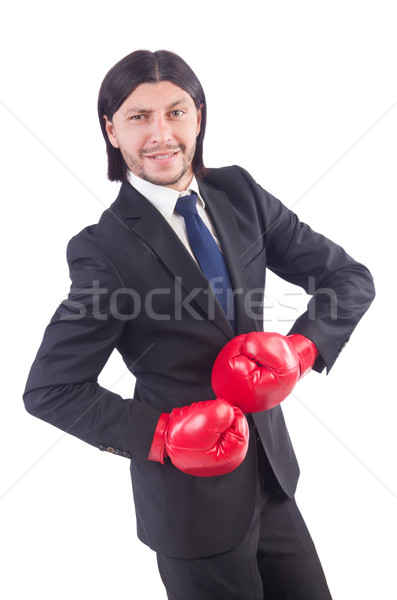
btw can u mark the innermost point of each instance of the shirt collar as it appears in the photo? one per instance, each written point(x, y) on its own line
point(163, 198)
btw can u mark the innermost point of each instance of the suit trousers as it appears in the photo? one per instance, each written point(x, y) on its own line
point(276, 560)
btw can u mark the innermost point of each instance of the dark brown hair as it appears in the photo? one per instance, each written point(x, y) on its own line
point(143, 66)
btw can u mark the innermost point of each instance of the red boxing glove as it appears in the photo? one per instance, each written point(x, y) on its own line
point(258, 370)
point(204, 439)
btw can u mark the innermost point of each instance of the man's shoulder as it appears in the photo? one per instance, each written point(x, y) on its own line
point(228, 176)
point(234, 181)
point(110, 230)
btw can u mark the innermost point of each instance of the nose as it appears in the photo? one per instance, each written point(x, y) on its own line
point(161, 130)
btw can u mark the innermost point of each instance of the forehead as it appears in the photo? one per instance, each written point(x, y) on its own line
point(152, 96)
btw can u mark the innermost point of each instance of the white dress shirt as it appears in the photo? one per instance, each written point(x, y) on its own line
point(165, 199)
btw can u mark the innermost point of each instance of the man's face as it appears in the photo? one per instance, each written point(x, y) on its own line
point(156, 130)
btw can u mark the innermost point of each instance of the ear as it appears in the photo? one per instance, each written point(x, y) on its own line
point(110, 131)
point(199, 116)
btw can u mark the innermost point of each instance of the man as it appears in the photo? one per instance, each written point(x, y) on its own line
point(173, 277)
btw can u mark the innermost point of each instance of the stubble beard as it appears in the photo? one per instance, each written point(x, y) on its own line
point(135, 165)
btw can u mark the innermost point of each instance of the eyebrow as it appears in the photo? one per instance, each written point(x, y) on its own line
point(136, 109)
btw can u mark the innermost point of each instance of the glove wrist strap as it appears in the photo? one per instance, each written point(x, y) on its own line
point(306, 350)
point(157, 451)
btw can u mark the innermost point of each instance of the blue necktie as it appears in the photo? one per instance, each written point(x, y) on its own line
point(207, 253)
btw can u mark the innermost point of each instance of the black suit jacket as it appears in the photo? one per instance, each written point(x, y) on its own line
point(137, 289)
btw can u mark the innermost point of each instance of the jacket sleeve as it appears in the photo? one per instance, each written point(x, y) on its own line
point(62, 386)
point(341, 289)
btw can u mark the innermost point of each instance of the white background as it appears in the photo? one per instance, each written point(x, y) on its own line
point(304, 96)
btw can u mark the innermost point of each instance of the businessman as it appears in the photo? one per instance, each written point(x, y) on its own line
point(173, 276)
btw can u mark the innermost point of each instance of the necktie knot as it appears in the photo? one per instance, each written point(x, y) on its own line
point(186, 205)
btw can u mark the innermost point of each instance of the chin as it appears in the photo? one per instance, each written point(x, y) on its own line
point(164, 179)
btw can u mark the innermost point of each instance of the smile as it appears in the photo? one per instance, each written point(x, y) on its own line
point(161, 156)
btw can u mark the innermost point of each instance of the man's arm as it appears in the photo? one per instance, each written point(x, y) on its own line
point(341, 288)
point(62, 386)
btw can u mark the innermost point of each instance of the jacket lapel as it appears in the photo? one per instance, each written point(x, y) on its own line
point(225, 223)
point(146, 222)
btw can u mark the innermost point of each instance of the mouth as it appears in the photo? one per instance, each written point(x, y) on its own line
point(162, 156)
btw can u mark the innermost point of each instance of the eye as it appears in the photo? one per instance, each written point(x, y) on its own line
point(137, 118)
point(177, 113)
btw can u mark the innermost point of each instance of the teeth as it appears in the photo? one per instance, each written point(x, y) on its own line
point(163, 156)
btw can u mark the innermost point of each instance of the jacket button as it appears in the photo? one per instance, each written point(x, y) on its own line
point(110, 449)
